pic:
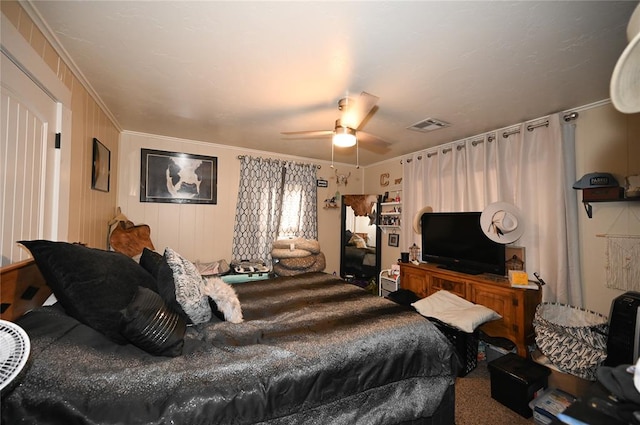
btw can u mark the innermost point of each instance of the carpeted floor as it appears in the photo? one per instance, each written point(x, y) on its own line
point(474, 405)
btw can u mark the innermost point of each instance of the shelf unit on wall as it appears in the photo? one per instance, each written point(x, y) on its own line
point(589, 209)
point(389, 217)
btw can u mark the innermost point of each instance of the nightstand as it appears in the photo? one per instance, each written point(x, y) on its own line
point(388, 283)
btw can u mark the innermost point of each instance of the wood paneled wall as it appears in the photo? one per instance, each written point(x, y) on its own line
point(88, 210)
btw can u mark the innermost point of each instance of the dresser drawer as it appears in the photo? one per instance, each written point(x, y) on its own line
point(458, 288)
point(388, 285)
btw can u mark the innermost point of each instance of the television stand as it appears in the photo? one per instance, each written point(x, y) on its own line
point(516, 306)
point(460, 269)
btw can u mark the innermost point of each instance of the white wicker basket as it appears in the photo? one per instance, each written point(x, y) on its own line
point(574, 339)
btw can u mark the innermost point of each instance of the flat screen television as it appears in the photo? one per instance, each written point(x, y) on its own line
point(454, 240)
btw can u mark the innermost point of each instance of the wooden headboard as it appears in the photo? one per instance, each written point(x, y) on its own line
point(23, 289)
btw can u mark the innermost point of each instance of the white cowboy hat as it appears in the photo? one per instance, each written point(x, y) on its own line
point(417, 219)
point(625, 81)
point(502, 222)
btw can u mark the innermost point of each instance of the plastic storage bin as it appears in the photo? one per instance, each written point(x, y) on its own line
point(465, 344)
point(515, 381)
point(549, 405)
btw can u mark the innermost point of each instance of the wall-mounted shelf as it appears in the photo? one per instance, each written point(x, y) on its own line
point(391, 199)
point(390, 215)
point(388, 227)
point(589, 209)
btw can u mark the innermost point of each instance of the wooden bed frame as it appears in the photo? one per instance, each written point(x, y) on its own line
point(23, 289)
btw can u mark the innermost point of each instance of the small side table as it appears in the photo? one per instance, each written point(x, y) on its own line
point(388, 283)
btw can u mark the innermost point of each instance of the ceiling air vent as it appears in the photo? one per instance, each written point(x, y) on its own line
point(428, 124)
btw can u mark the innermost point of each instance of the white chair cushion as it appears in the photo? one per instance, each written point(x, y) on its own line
point(455, 311)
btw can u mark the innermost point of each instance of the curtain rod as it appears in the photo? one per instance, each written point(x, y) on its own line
point(530, 127)
point(318, 166)
point(569, 116)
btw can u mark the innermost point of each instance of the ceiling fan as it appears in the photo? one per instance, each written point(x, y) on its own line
point(346, 132)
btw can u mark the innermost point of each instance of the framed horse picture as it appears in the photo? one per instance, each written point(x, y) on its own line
point(173, 177)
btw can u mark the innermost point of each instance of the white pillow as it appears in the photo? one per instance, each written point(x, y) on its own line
point(51, 300)
point(225, 298)
point(455, 311)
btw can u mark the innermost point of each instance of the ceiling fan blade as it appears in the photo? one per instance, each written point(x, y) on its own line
point(358, 110)
point(372, 143)
point(310, 133)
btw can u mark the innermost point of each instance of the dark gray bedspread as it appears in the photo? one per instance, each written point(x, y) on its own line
point(312, 350)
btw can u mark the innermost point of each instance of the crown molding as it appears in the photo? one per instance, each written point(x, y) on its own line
point(48, 33)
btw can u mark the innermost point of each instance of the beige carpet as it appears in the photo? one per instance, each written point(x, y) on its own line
point(474, 405)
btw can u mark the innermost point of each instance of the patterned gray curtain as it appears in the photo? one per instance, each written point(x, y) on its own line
point(258, 209)
point(299, 213)
point(275, 199)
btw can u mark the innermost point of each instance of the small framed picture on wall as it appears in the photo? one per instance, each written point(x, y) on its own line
point(101, 168)
point(394, 239)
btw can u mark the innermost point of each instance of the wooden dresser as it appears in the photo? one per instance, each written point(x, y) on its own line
point(516, 306)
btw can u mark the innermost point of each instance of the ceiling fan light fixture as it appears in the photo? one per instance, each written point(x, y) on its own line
point(344, 137)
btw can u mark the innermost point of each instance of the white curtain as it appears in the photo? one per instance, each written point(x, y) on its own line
point(275, 199)
point(532, 169)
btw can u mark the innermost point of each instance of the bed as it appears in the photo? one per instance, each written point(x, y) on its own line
point(310, 349)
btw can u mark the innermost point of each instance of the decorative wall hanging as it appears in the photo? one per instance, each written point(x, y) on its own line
point(622, 264)
point(101, 169)
point(330, 203)
point(342, 179)
point(172, 177)
point(394, 239)
point(362, 205)
point(384, 179)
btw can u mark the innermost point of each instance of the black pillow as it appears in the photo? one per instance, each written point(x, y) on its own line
point(216, 314)
point(151, 261)
point(148, 323)
point(155, 264)
point(92, 285)
point(403, 296)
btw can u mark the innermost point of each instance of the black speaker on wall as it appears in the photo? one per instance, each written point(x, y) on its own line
point(623, 342)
